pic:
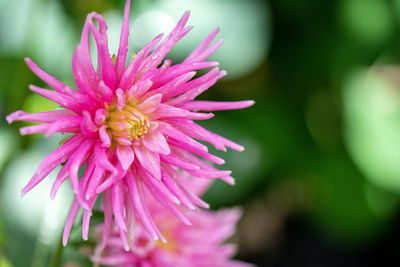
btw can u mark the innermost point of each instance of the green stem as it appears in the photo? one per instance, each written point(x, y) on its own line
point(57, 257)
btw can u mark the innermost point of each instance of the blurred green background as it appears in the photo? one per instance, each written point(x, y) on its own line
point(320, 178)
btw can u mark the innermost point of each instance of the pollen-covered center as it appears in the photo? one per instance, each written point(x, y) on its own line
point(126, 125)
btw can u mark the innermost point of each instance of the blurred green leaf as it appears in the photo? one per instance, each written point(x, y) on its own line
point(381, 202)
point(372, 119)
point(36, 103)
point(57, 253)
point(9, 143)
point(15, 77)
point(368, 21)
point(342, 210)
point(4, 262)
point(2, 238)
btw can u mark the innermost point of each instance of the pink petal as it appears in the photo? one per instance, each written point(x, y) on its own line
point(104, 136)
point(162, 199)
point(175, 189)
point(105, 66)
point(123, 43)
point(142, 211)
point(35, 129)
point(150, 104)
point(160, 188)
point(156, 74)
point(48, 116)
point(87, 214)
point(87, 204)
point(83, 70)
point(200, 83)
point(178, 162)
point(60, 179)
point(149, 161)
point(105, 92)
point(176, 34)
point(76, 160)
point(213, 106)
point(208, 52)
point(64, 125)
point(87, 174)
point(70, 221)
point(196, 200)
point(87, 125)
point(196, 91)
point(127, 79)
point(201, 153)
point(52, 160)
point(111, 179)
point(169, 89)
point(101, 158)
point(160, 52)
point(97, 178)
point(108, 215)
point(178, 136)
point(61, 99)
point(156, 142)
point(139, 88)
point(228, 179)
point(194, 130)
point(100, 116)
point(118, 206)
point(209, 174)
point(202, 46)
point(167, 111)
point(47, 78)
point(120, 99)
point(125, 156)
point(184, 68)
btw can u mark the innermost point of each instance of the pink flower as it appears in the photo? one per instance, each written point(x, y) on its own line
point(199, 245)
point(130, 127)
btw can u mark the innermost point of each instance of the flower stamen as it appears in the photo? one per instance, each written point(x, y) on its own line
point(126, 125)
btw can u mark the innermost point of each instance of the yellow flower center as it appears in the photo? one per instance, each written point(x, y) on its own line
point(126, 125)
point(168, 229)
point(170, 246)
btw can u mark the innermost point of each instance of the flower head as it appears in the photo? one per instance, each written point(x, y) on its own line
point(199, 245)
point(130, 127)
